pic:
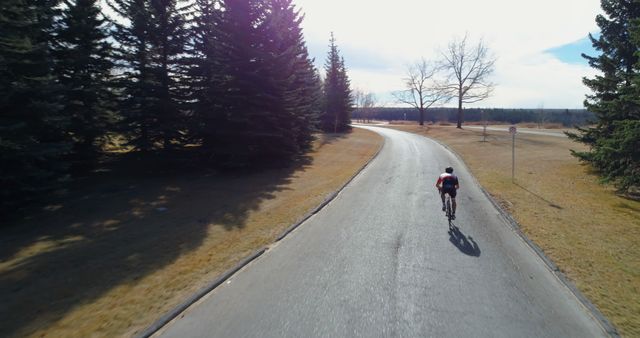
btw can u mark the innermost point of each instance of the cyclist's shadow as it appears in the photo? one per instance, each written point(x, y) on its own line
point(465, 244)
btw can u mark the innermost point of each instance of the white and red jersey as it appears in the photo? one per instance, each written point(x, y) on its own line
point(447, 181)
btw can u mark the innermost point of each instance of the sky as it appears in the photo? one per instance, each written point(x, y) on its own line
point(537, 43)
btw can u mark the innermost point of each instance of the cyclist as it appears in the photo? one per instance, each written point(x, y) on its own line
point(448, 184)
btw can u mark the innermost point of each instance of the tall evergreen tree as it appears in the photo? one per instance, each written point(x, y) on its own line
point(243, 124)
point(294, 78)
point(310, 108)
point(256, 87)
point(32, 128)
point(135, 81)
point(346, 98)
point(614, 140)
point(206, 75)
point(338, 100)
point(152, 36)
point(83, 67)
point(168, 36)
point(329, 117)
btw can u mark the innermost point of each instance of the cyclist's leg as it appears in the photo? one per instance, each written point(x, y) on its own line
point(442, 196)
point(453, 194)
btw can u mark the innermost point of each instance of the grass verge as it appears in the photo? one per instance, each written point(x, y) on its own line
point(121, 252)
point(580, 224)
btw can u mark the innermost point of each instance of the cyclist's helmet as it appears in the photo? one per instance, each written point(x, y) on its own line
point(449, 170)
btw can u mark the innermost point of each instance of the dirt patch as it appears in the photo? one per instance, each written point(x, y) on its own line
point(582, 225)
point(118, 254)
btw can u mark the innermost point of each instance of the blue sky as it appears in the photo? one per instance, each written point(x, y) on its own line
point(571, 52)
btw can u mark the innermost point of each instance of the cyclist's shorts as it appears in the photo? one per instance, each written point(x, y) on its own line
point(451, 191)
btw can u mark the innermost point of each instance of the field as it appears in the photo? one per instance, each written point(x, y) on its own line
point(582, 225)
point(122, 249)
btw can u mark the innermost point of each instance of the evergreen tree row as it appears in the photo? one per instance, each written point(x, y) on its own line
point(615, 140)
point(33, 126)
point(230, 80)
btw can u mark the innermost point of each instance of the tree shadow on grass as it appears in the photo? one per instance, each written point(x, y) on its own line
point(329, 138)
point(116, 232)
point(466, 244)
point(550, 203)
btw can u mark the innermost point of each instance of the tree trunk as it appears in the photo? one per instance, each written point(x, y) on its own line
point(421, 116)
point(145, 144)
point(166, 142)
point(460, 112)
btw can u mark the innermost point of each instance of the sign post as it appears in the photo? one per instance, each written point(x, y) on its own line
point(484, 132)
point(484, 127)
point(513, 132)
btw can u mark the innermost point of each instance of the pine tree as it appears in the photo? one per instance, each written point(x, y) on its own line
point(310, 108)
point(613, 141)
point(135, 82)
point(83, 67)
point(295, 83)
point(32, 129)
point(346, 98)
point(256, 87)
point(151, 47)
point(329, 117)
point(338, 100)
point(243, 123)
point(168, 37)
point(206, 76)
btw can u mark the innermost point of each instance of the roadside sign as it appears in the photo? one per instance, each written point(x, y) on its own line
point(513, 130)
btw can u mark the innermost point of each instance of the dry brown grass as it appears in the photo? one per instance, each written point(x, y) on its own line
point(546, 125)
point(402, 122)
point(489, 123)
point(528, 125)
point(588, 231)
point(112, 259)
point(552, 126)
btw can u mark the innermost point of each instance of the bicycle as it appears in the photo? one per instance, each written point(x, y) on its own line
point(448, 210)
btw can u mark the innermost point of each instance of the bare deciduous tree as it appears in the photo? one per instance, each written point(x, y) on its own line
point(365, 103)
point(369, 101)
point(358, 96)
point(468, 69)
point(422, 91)
point(542, 118)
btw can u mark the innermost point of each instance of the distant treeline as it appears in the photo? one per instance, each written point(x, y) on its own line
point(567, 117)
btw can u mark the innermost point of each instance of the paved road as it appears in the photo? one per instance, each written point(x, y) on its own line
point(523, 131)
point(381, 261)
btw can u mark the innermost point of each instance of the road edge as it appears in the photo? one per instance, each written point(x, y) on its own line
point(332, 195)
point(595, 312)
point(180, 308)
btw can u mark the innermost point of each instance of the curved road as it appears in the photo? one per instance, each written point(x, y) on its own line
point(381, 261)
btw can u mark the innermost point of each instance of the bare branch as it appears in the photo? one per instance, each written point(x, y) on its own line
point(468, 70)
point(422, 91)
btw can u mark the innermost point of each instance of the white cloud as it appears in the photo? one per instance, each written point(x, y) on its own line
point(405, 30)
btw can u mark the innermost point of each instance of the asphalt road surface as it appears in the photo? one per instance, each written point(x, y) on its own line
point(381, 261)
